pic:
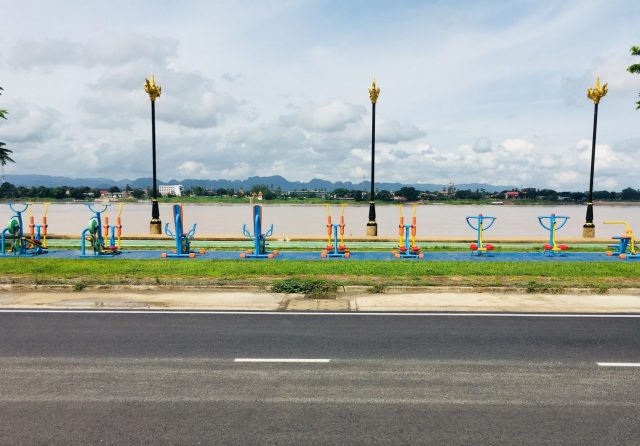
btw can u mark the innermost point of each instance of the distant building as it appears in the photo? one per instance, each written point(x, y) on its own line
point(512, 195)
point(308, 193)
point(450, 190)
point(171, 189)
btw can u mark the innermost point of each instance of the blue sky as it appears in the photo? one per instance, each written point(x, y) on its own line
point(471, 91)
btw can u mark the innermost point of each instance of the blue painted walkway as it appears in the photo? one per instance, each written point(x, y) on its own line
point(355, 256)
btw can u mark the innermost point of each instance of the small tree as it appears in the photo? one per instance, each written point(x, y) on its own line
point(635, 68)
point(408, 192)
point(384, 195)
point(138, 193)
point(341, 192)
point(630, 194)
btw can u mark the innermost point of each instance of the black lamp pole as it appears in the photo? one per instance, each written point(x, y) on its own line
point(589, 219)
point(372, 226)
point(155, 226)
point(595, 94)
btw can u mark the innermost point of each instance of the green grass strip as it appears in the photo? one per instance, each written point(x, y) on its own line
point(46, 269)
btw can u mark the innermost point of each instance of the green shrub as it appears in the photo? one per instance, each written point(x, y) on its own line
point(309, 287)
point(377, 288)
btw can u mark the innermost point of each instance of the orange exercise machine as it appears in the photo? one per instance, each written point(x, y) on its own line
point(335, 237)
point(407, 248)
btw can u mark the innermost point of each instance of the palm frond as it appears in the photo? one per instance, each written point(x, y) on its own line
point(635, 68)
point(4, 155)
point(3, 113)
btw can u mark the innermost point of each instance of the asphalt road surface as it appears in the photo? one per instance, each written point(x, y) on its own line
point(171, 378)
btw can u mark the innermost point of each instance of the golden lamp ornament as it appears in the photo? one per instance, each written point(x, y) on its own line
point(596, 93)
point(374, 91)
point(152, 89)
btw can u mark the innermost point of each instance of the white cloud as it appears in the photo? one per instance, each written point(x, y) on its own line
point(238, 170)
point(482, 145)
point(565, 178)
point(46, 53)
point(392, 132)
point(357, 173)
point(242, 97)
point(105, 50)
point(193, 169)
point(193, 101)
point(29, 122)
point(332, 117)
point(517, 147)
point(188, 99)
point(117, 49)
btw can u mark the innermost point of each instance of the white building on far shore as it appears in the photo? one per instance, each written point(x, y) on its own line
point(171, 189)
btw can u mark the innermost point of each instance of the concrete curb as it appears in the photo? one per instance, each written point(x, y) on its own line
point(458, 299)
point(342, 290)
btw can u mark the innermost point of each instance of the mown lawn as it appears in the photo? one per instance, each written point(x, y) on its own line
point(533, 276)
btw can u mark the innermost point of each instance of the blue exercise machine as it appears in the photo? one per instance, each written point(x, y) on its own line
point(626, 247)
point(21, 245)
point(553, 223)
point(183, 239)
point(482, 223)
point(259, 239)
point(93, 232)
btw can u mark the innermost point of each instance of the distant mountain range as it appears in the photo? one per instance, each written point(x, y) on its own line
point(274, 182)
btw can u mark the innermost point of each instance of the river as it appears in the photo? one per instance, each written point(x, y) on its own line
point(288, 220)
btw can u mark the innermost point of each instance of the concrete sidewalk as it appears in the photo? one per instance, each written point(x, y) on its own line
point(511, 302)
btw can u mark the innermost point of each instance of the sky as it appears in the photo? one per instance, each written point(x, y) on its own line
point(490, 92)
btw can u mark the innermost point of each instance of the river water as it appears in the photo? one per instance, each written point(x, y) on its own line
point(310, 220)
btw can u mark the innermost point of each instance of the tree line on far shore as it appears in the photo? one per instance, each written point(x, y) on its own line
point(409, 194)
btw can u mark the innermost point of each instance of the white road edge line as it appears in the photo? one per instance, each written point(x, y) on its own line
point(320, 313)
point(324, 361)
point(618, 364)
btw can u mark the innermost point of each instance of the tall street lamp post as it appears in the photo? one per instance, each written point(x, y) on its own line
point(595, 94)
point(153, 90)
point(372, 226)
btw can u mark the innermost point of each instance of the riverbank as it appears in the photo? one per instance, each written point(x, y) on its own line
point(321, 201)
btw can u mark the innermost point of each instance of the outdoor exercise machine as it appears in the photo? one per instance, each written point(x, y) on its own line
point(480, 223)
point(35, 242)
point(407, 248)
point(626, 246)
point(335, 243)
point(182, 239)
point(94, 233)
point(553, 223)
point(259, 239)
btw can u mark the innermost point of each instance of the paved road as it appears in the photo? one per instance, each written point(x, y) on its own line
point(172, 378)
